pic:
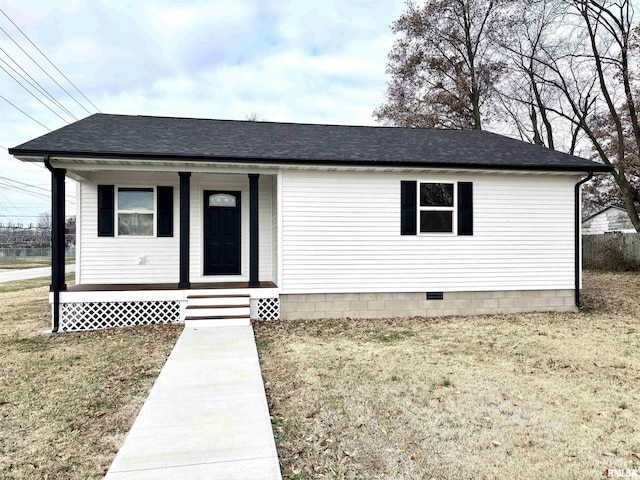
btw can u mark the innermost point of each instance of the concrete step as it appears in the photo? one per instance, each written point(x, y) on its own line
point(211, 310)
point(216, 300)
point(205, 311)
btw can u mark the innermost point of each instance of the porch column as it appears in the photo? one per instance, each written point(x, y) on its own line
point(253, 230)
point(185, 186)
point(57, 229)
point(57, 238)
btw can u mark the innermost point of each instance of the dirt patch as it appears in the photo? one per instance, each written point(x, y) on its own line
point(67, 401)
point(512, 396)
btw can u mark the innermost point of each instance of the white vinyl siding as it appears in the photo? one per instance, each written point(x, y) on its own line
point(609, 220)
point(341, 233)
point(113, 260)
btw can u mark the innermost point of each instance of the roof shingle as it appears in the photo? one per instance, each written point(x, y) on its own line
point(106, 135)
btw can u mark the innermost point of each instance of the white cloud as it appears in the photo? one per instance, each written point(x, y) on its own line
point(285, 61)
point(173, 21)
point(81, 49)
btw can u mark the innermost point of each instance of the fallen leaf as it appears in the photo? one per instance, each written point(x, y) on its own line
point(608, 454)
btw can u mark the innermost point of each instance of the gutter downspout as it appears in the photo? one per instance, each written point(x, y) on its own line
point(55, 284)
point(577, 229)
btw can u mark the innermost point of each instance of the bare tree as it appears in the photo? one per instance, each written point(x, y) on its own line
point(253, 117)
point(596, 80)
point(526, 102)
point(563, 72)
point(44, 220)
point(443, 67)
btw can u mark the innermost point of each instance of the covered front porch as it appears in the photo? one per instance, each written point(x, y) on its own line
point(210, 233)
point(91, 306)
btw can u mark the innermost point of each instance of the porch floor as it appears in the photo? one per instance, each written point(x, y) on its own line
point(127, 287)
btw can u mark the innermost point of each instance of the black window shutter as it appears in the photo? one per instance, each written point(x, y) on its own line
point(408, 208)
point(105, 210)
point(465, 208)
point(165, 211)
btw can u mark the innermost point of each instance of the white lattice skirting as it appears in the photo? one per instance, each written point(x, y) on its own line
point(268, 309)
point(80, 316)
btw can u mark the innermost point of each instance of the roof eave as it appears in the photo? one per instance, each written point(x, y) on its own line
point(595, 168)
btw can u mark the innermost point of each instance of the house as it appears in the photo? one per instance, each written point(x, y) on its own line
point(608, 220)
point(213, 221)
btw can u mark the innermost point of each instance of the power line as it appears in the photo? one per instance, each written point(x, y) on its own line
point(27, 192)
point(52, 64)
point(25, 184)
point(4, 180)
point(40, 67)
point(37, 85)
point(18, 108)
point(31, 93)
point(13, 204)
point(41, 196)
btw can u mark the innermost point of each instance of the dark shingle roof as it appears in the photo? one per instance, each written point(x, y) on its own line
point(123, 136)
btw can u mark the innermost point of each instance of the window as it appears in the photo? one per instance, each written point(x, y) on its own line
point(222, 200)
point(437, 207)
point(436, 194)
point(439, 200)
point(135, 211)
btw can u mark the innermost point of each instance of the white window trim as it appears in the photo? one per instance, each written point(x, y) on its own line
point(453, 208)
point(118, 211)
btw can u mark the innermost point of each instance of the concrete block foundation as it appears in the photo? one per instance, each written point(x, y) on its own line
point(388, 305)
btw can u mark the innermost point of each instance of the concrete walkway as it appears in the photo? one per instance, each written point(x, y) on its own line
point(28, 273)
point(206, 416)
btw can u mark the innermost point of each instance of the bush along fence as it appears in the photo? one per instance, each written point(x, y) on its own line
point(30, 254)
point(611, 251)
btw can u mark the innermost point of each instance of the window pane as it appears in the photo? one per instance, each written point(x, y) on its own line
point(436, 194)
point(135, 224)
point(140, 199)
point(222, 200)
point(436, 221)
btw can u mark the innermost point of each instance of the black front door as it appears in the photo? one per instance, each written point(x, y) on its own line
point(221, 233)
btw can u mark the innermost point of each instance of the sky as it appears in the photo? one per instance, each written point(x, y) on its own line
point(285, 60)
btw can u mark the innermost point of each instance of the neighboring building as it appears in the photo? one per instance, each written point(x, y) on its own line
point(608, 220)
point(208, 220)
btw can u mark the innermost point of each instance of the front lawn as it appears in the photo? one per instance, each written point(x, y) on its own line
point(67, 401)
point(544, 395)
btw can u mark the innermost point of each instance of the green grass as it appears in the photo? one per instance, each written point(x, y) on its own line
point(19, 263)
point(19, 285)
